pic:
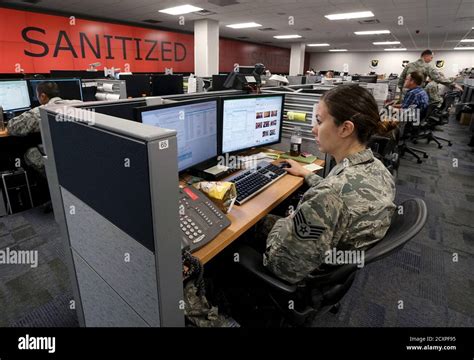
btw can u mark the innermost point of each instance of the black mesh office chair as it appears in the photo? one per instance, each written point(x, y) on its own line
point(323, 291)
point(386, 150)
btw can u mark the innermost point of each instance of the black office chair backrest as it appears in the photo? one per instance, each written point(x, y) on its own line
point(407, 221)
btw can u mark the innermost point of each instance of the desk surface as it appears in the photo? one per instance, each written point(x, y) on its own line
point(245, 216)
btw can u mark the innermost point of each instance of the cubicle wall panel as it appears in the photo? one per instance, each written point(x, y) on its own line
point(102, 306)
point(124, 264)
point(107, 172)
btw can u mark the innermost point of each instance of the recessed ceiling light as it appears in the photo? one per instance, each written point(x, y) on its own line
point(395, 49)
point(464, 48)
point(337, 50)
point(180, 10)
point(318, 44)
point(352, 15)
point(287, 36)
point(386, 43)
point(467, 40)
point(372, 32)
point(244, 25)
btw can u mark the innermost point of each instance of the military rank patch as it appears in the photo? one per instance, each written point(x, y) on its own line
point(303, 228)
point(440, 64)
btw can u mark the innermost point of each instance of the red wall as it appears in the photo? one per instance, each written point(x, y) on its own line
point(37, 43)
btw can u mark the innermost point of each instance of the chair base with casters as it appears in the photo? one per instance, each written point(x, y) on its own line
point(321, 292)
point(404, 148)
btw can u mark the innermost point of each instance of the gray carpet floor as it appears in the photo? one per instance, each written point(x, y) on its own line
point(435, 290)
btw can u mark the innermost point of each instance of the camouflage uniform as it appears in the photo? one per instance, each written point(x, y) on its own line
point(426, 70)
point(433, 93)
point(350, 209)
point(29, 123)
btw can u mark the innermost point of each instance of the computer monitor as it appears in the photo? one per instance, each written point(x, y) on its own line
point(14, 95)
point(196, 125)
point(250, 121)
point(122, 109)
point(166, 85)
point(218, 82)
point(69, 89)
point(82, 74)
point(247, 70)
point(137, 85)
point(368, 78)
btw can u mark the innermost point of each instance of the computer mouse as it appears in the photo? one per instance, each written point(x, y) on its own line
point(284, 165)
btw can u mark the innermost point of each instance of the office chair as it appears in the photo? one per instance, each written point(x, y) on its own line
point(322, 291)
point(385, 149)
point(409, 131)
point(427, 126)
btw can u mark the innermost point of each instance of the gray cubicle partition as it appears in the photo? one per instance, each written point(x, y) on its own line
point(116, 185)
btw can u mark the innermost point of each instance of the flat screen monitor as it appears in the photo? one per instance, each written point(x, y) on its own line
point(137, 85)
point(69, 89)
point(121, 109)
point(14, 95)
point(166, 84)
point(218, 82)
point(368, 78)
point(251, 121)
point(196, 125)
point(82, 74)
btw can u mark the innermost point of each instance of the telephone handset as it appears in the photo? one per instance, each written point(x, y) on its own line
point(200, 220)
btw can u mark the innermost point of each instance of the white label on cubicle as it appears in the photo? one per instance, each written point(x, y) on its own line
point(163, 144)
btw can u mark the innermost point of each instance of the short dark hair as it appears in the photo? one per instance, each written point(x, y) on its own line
point(356, 104)
point(426, 52)
point(49, 88)
point(417, 77)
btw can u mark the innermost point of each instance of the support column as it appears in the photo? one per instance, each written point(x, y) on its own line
point(206, 47)
point(297, 59)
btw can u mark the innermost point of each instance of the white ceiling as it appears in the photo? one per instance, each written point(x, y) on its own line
point(440, 23)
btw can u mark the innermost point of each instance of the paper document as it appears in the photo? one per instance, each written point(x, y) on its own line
point(312, 167)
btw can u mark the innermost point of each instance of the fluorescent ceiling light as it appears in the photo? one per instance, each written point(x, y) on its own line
point(244, 25)
point(352, 15)
point(287, 36)
point(318, 44)
point(372, 32)
point(395, 49)
point(467, 40)
point(180, 10)
point(337, 50)
point(464, 48)
point(386, 43)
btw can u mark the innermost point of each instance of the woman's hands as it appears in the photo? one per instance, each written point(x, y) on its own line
point(296, 169)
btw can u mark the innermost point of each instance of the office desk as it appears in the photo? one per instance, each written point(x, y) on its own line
point(245, 216)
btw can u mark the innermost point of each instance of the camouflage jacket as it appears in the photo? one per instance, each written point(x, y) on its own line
point(29, 121)
point(426, 70)
point(433, 93)
point(348, 210)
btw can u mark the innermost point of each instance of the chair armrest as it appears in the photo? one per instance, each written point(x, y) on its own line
point(251, 260)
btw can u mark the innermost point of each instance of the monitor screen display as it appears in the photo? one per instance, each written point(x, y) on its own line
point(14, 95)
point(196, 126)
point(69, 89)
point(251, 121)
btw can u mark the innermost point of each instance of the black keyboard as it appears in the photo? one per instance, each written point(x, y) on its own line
point(250, 182)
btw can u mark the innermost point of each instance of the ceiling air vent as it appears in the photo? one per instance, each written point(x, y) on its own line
point(151, 21)
point(31, 1)
point(267, 29)
point(242, 37)
point(223, 2)
point(306, 29)
point(369, 21)
point(204, 13)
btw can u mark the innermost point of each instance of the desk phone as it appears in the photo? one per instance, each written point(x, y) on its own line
point(200, 220)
